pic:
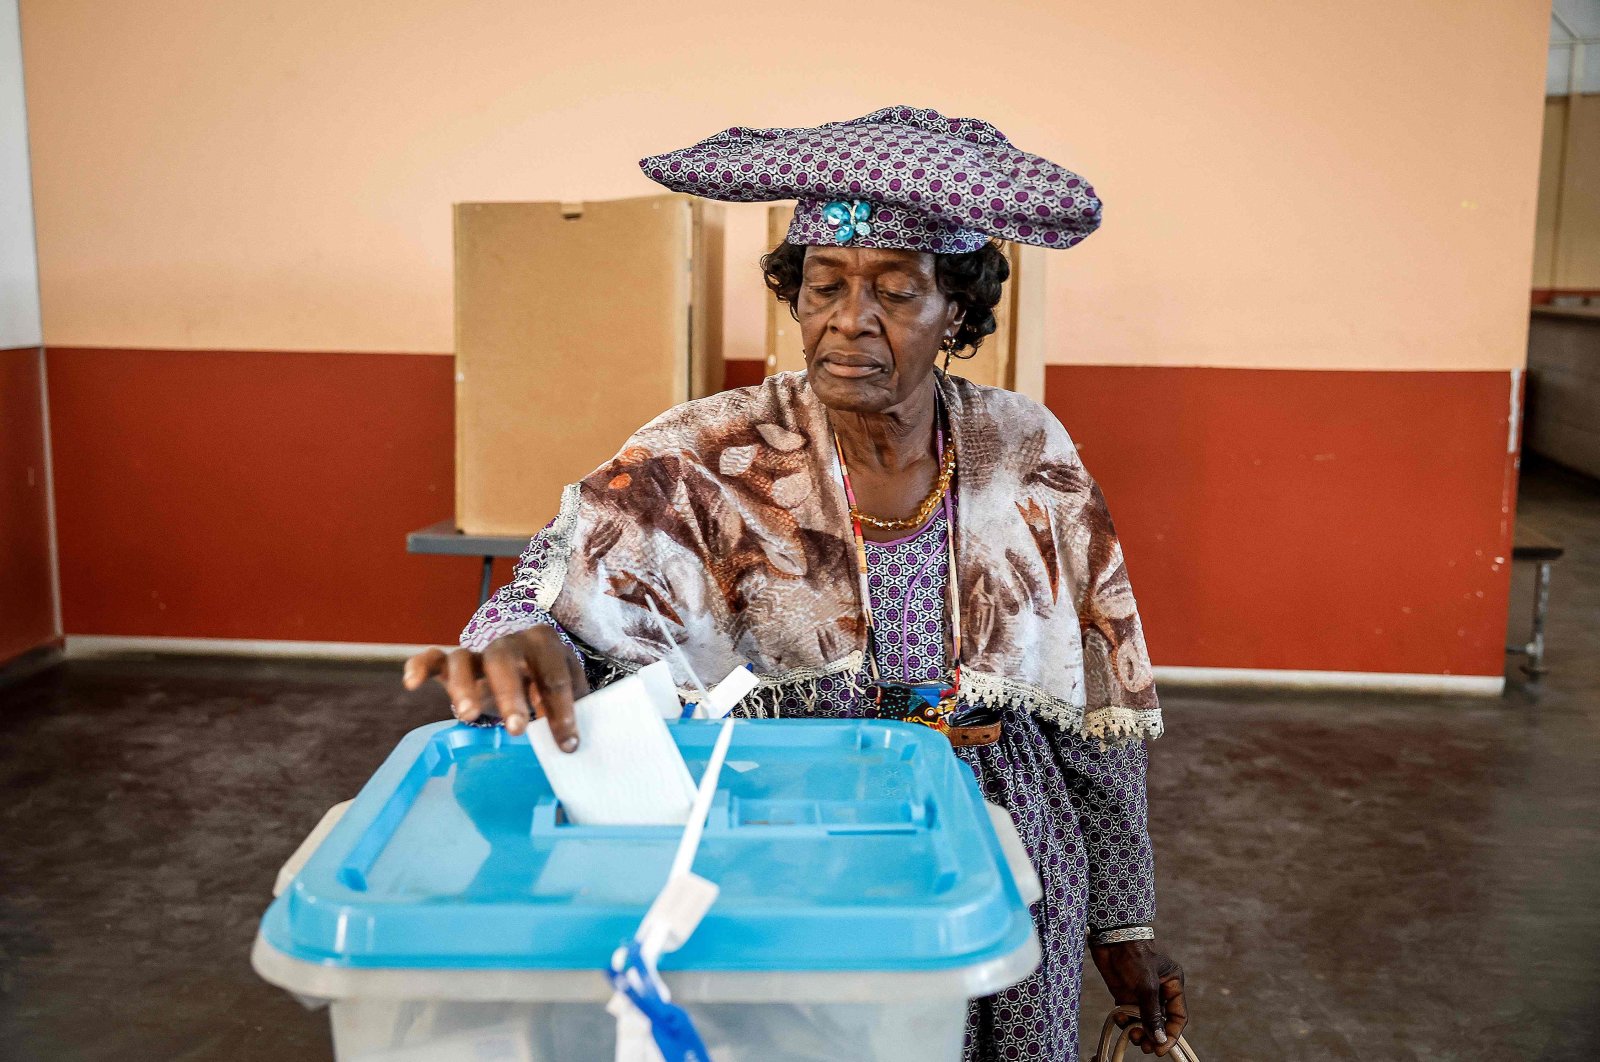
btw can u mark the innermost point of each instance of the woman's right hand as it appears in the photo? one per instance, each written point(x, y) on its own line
point(527, 672)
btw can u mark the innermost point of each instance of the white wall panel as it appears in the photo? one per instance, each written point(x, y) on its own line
point(19, 271)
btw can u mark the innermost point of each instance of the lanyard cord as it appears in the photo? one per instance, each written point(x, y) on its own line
point(952, 588)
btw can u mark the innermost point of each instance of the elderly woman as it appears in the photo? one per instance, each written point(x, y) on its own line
point(880, 539)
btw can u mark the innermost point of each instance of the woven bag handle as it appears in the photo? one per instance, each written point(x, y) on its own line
point(1114, 1040)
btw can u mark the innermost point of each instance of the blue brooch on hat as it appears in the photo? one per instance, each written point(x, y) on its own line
point(849, 219)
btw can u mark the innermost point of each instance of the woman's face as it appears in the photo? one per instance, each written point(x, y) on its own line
point(871, 321)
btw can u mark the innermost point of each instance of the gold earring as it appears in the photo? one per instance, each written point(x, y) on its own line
point(949, 348)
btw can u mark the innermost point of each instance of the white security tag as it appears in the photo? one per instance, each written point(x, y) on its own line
point(678, 910)
point(726, 694)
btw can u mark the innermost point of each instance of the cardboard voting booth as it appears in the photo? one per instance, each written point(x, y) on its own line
point(575, 324)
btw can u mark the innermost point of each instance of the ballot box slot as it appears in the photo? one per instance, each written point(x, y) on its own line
point(735, 818)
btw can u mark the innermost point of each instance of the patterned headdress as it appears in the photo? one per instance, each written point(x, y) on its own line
point(901, 177)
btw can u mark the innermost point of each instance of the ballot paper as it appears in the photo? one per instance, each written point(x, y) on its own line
point(627, 770)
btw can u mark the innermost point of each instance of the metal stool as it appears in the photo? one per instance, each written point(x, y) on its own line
point(1530, 545)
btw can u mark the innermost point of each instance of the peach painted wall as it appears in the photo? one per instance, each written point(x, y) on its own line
point(1291, 185)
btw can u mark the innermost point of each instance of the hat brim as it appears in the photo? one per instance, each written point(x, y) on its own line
point(956, 174)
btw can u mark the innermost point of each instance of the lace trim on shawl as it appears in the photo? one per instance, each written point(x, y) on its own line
point(1106, 723)
point(552, 574)
point(802, 682)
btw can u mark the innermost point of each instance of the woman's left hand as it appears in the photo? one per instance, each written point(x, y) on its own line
point(1140, 976)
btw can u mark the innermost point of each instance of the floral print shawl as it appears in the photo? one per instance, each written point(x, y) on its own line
point(729, 513)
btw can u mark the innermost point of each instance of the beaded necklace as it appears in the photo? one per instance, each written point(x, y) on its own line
point(929, 703)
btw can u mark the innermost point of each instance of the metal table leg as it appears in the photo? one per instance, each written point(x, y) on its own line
point(488, 577)
point(1541, 609)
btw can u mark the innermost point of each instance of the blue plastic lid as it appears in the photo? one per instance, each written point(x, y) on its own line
point(838, 845)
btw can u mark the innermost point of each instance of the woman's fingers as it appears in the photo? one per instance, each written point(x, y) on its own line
point(554, 687)
point(1172, 1003)
point(531, 672)
point(1137, 1035)
point(461, 682)
point(422, 667)
point(506, 666)
point(1155, 1036)
point(580, 681)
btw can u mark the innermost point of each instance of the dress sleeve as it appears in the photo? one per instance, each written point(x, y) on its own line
point(1107, 769)
point(514, 608)
point(1107, 792)
point(1119, 683)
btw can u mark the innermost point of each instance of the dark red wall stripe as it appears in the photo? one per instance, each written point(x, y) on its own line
point(743, 372)
point(1345, 521)
point(27, 614)
point(1339, 521)
point(255, 495)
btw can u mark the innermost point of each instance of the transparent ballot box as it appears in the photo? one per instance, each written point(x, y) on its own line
point(452, 912)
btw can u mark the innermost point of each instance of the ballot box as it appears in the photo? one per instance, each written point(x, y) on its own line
point(452, 912)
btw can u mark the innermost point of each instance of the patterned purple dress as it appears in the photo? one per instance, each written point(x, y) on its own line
point(1080, 808)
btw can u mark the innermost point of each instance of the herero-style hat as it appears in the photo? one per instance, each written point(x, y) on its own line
point(905, 177)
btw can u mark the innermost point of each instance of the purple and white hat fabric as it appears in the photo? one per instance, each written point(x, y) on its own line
point(900, 177)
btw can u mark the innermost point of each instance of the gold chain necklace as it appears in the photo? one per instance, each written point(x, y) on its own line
point(947, 468)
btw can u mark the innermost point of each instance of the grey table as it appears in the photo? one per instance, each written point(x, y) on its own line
point(443, 537)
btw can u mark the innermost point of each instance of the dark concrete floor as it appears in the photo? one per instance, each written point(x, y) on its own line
point(1343, 877)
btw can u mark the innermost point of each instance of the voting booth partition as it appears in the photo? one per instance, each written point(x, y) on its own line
point(575, 323)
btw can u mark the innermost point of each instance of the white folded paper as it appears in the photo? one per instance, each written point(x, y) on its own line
point(627, 770)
